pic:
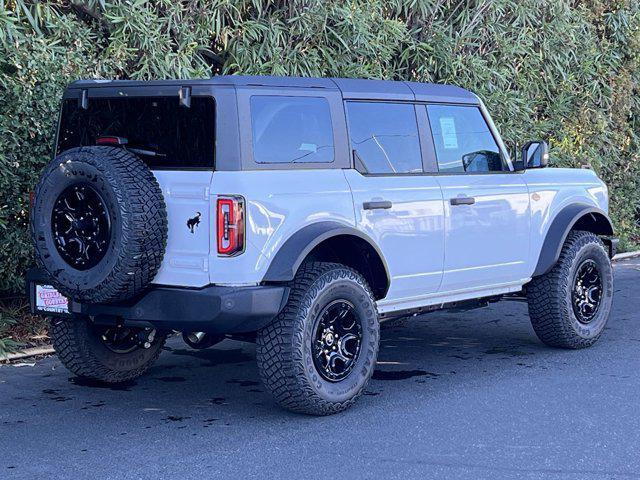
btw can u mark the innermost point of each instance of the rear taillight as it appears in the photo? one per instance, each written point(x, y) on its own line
point(230, 223)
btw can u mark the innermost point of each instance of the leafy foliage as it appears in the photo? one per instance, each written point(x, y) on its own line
point(7, 343)
point(18, 328)
point(566, 71)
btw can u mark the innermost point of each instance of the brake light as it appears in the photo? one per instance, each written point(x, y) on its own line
point(230, 223)
point(111, 140)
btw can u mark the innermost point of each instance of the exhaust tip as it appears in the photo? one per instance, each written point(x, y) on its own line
point(195, 337)
point(201, 340)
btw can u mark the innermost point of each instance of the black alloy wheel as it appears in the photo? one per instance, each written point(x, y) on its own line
point(337, 340)
point(80, 225)
point(587, 291)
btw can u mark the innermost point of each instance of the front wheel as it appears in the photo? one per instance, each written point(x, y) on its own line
point(105, 354)
point(318, 355)
point(569, 306)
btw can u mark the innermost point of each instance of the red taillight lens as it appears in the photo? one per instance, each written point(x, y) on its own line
point(111, 140)
point(230, 223)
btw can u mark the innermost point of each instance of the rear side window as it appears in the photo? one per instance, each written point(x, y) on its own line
point(291, 130)
point(163, 133)
point(463, 141)
point(384, 137)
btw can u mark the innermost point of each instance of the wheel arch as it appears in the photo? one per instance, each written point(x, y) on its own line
point(331, 241)
point(576, 216)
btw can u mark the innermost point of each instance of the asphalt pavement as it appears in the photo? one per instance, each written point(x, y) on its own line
point(456, 395)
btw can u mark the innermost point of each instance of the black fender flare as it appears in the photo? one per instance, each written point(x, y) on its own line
point(560, 227)
point(295, 249)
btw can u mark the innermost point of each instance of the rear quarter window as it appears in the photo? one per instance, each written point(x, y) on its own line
point(291, 130)
point(173, 136)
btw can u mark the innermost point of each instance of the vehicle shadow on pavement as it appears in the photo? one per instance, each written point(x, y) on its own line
point(424, 355)
point(417, 353)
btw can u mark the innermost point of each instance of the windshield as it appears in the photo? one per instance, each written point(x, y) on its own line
point(158, 129)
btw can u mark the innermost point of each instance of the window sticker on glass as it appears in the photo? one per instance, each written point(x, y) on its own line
point(308, 147)
point(449, 137)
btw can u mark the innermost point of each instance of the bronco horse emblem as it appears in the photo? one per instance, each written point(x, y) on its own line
point(192, 223)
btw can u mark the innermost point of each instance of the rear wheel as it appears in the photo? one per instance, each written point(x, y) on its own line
point(107, 354)
point(320, 352)
point(569, 306)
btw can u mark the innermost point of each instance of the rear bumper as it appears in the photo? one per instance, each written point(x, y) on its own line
point(214, 309)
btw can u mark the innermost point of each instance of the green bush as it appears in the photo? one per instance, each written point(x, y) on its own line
point(7, 344)
point(18, 328)
point(562, 70)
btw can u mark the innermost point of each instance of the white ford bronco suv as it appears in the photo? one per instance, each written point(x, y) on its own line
point(299, 213)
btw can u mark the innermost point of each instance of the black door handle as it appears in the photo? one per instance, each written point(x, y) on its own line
point(463, 201)
point(382, 204)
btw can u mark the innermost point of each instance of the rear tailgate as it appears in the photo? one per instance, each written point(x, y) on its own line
point(186, 258)
point(176, 141)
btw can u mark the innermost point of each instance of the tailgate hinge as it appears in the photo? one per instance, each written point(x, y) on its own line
point(185, 97)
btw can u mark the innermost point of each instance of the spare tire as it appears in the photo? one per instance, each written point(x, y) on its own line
point(99, 224)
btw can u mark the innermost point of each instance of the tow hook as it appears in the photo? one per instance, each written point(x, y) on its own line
point(146, 337)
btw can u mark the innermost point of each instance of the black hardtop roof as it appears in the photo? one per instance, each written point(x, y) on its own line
point(350, 88)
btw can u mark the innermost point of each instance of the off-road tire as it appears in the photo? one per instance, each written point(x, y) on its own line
point(82, 352)
point(549, 295)
point(283, 348)
point(138, 223)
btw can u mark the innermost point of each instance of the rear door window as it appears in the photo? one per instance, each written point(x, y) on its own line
point(384, 137)
point(463, 141)
point(291, 129)
point(159, 130)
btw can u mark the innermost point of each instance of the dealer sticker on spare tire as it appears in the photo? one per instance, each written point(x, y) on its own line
point(50, 300)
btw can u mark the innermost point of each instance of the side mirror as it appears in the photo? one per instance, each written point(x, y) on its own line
point(535, 154)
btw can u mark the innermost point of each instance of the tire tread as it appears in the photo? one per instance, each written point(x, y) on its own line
point(70, 341)
point(549, 311)
point(280, 364)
